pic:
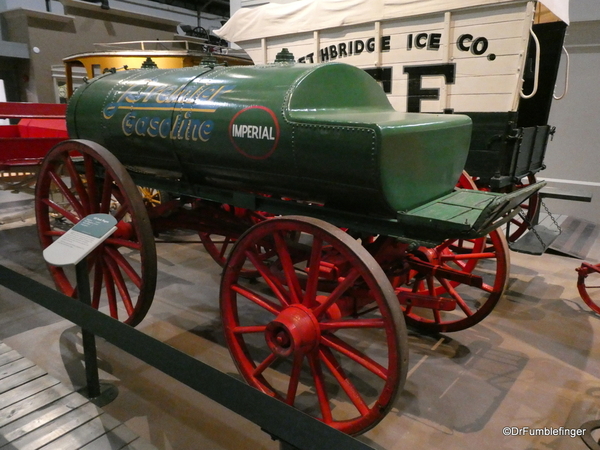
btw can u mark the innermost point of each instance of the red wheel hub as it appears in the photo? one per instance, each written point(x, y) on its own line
point(124, 230)
point(295, 330)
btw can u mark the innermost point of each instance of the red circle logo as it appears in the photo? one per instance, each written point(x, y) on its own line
point(254, 132)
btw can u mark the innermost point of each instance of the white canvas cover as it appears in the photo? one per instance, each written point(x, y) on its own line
point(277, 19)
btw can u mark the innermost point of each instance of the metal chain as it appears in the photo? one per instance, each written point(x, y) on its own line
point(532, 227)
point(551, 216)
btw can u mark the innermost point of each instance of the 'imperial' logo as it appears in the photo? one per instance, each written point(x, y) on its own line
point(254, 132)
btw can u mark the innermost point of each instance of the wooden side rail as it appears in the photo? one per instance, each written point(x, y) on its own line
point(562, 194)
point(11, 110)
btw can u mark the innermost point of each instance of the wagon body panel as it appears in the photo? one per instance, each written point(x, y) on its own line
point(40, 127)
point(469, 57)
point(288, 130)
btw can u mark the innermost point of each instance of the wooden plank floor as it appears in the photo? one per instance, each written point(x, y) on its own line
point(38, 412)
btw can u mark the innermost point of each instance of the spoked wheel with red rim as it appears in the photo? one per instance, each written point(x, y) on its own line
point(464, 278)
point(78, 178)
point(519, 224)
point(321, 329)
point(588, 285)
point(219, 244)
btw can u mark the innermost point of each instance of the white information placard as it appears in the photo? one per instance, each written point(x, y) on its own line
point(80, 240)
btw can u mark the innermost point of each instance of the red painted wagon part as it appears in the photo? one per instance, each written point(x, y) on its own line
point(11, 110)
point(588, 285)
point(41, 127)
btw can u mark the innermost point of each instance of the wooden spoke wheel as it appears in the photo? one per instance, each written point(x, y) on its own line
point(588, 285)
point(323, 331)
point(468, 277)
point(519, 224)
point(153, 197)
point(486, 258)
point(78, 178)
point(219, 244)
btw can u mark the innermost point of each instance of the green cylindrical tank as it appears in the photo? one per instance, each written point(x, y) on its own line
point(323, 133)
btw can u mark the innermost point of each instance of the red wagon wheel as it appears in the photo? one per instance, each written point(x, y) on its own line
point(78, 178)
point(523, 221)
point(324, 332)
point(519, 224)
point(487, 258)
point(588, 285)
point(219, 244)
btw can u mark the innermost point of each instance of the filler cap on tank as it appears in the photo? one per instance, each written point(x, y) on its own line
point(284, 56)
point(209, 60)
point(149, 64)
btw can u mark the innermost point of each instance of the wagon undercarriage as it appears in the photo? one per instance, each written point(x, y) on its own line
point(301, 300)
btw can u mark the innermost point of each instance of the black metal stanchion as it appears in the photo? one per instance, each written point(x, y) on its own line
point(72, 248)
point(89, 340)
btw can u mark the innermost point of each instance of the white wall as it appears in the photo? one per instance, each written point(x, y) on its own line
point(573, 157)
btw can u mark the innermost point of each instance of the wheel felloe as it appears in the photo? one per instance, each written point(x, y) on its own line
point(588, 285)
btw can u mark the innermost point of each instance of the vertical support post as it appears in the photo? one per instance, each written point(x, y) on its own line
point(89, 340)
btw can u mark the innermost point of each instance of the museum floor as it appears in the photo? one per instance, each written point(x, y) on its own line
point(534, 362)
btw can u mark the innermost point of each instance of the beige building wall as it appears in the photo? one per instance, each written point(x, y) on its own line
point(52, 37)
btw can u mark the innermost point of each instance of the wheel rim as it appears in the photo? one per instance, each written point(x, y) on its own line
point(519, 224)
point(485, 257)
point(588, 285)
point(123, 268)
point(293, 337)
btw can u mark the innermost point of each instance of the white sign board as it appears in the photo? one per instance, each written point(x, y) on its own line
point(441, 55)
point(80, 240)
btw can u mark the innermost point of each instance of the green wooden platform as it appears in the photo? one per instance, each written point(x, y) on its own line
point(37, 411)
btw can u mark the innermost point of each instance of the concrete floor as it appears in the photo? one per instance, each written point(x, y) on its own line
point(534, 362)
